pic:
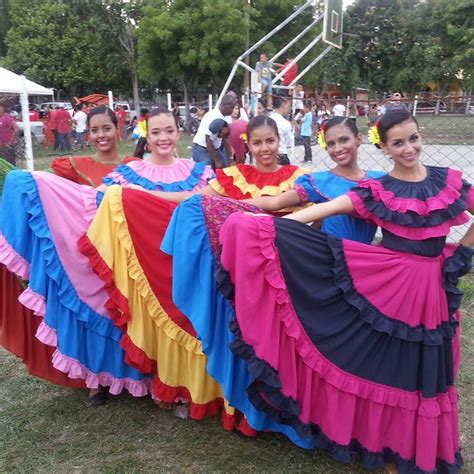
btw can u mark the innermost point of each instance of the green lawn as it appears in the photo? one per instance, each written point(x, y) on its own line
point(44, 428)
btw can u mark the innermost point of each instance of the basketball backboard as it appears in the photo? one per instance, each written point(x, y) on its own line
point(332, 26)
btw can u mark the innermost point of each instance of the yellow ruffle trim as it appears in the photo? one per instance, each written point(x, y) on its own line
point(179, 356)
point(240, 181)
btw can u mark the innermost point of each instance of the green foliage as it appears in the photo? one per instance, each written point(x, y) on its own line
point(404, 44)
point(193, 41)
point(4, 24)
point(65, 45)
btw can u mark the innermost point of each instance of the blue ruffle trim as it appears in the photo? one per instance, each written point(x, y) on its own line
point(186, 185)
point(411, 218)
point(455, 267)
point(373, 316)
point(53, 267)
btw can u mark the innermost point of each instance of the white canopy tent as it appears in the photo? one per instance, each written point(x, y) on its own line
point(11, 83)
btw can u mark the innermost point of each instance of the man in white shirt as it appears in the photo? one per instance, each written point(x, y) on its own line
point(280, 108)
point(81, 125)
point(209, 147)
point(339, 110)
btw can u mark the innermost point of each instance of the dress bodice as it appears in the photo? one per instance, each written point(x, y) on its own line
point(415, 217)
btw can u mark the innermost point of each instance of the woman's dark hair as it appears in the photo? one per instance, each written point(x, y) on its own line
point(141, 148)
point(263, 102)
point(100, 110)
point(392, 118)
point(160, 110)
point(350, 124)
point(261, 121)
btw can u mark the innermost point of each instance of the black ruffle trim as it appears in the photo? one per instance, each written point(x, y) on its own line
point(373, 316)
point(434, 183)
point(411, 218)
point(456, 266)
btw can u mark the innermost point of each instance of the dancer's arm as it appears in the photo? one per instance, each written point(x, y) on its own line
point(176, 196)
point(468, 238)
point(340, 205)
point(275, 203)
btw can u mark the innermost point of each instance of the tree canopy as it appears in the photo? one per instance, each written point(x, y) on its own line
point(94, 45)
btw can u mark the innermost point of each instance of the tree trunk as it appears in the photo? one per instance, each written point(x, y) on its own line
point(136, 97)
point(187, 122)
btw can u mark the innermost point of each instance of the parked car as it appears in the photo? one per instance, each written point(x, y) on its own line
point(66, 105)
point(37, 132)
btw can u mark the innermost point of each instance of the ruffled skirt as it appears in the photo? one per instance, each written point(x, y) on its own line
point(123, 247)
point(43, 217)
point(350, 344)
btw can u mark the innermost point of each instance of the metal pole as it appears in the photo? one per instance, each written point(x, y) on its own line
point(315, 61)
point(111, 101)
point(245, 66)
point(258, 43)
point(300, 55)
point(227, 84)
point(168, 98)
point(415, 104)
point(277, 28)
point(296, 38)
point(30, 165)
point(210, 102)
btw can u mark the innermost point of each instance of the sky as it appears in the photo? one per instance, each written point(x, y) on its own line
point(347, 2)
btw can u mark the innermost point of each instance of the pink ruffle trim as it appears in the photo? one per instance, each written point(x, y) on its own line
point(414, 233)
point(75, 370)
point(47, 335)
point(89, 199)
point(33, 301)
point(442, 200)
point(12, 260)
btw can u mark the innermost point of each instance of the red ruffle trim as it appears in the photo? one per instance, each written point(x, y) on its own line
point(449, 194)
point(117, 304)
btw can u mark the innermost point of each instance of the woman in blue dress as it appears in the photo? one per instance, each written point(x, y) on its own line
point(199, 286)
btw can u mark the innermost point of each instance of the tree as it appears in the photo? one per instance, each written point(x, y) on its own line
point(4, 25)
point(123, 18)
point(193, 42)
point(65, 45)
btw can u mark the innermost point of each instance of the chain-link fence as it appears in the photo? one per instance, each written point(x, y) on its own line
point(448, 140)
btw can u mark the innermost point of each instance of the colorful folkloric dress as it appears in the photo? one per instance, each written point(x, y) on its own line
point(323, 186)
point(193, 237)
point(85, 169)
point(18, 325)
point(42, 218)
point(352, 344)
point(159, 339)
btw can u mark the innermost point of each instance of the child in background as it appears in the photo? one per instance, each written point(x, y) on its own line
point(307, 130)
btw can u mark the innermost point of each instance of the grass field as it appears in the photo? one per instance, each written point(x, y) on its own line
point(44, 428)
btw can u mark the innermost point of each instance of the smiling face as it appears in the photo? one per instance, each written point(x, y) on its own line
point(103, 134)
point(163, 135)
point(261, 109)
point(342, 144)
point(235, 112)
point(263, 145)
point(403, 144)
